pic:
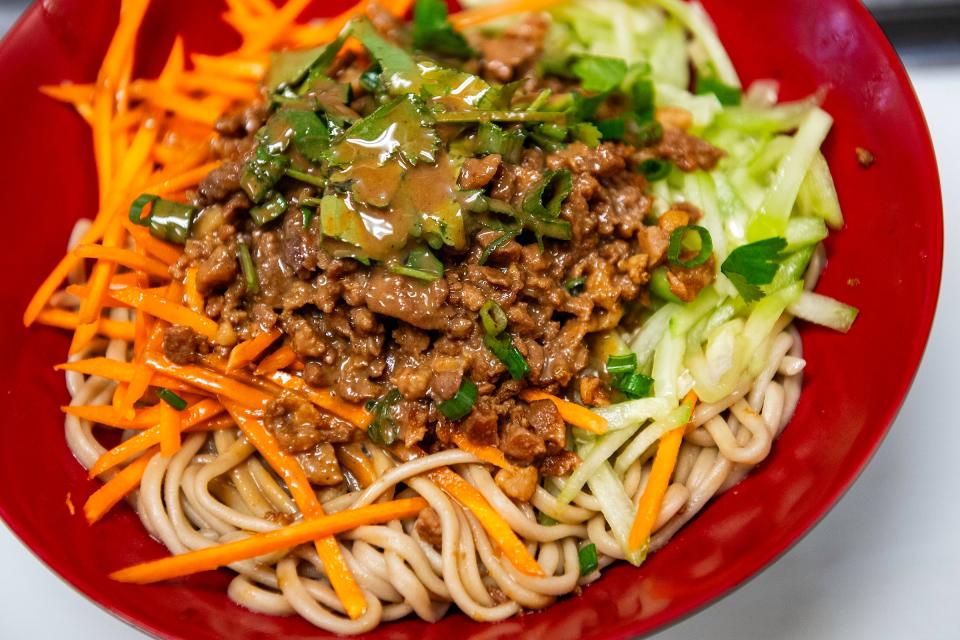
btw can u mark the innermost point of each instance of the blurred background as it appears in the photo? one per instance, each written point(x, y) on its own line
point(885, 563)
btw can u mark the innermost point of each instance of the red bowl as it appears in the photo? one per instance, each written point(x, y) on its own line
point(886, 262)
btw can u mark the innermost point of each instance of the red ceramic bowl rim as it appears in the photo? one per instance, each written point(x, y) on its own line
point(850, 473)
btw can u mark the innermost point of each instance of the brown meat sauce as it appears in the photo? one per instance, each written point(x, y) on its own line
point(361, 330)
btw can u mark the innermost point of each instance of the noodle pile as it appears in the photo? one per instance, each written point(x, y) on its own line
point(211, 485)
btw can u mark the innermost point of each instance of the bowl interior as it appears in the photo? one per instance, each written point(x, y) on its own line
point(886, 262)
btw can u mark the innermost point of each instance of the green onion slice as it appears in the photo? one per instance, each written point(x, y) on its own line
point(383, 429)
point(248, 268)
point(676, 246)
point(420, 264)
point(272, 208)
point(545, 200)
point(503, 347)
point(626, 363)
point(461, 404)
point(493, 318)
point(633, 385)
point(573, 285)
point(588, 559)
point(138, 205)
point(655, 169)
point(172, 399)
point(495, 244)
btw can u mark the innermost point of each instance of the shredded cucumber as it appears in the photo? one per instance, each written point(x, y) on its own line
point(676, 418)
point(667, 364)
point(633, 413)
point(803, 232)
point(824, 311)
point(646, 341)
point(593, 456)
point(616, 506)
point(694, 18)
point(818, 194)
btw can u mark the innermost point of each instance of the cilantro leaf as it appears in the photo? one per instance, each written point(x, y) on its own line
point(433, 32)
point(311, 136)
point(727, 95)
point(752, 265)
point(600, 74)
point(395, 62)
point(402, 126)
point(288, 68)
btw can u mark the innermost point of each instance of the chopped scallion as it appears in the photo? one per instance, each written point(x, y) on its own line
point(575, 285)
point(676, 246)
point(138, 205)
point(172, 399)
point(460, 405)
point(655, 169)
point(420, 264)
point(503, 347)
point(307, 178)
point(633, 385)
point(626, 363)
point(272, 208)
point(383, 429)
point(588, 559)
point(248, 268)
point(493, 318)
point(495, 244)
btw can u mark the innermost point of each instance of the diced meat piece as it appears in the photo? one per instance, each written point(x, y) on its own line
point(294, 422)
point(299, 244)
point(688, 152)
point(520, 444)
point(412, 382)
point(592, 392)
point(675, 117)
point(429, 527)
point(320, 374)
point(654, 242)
point(518, 483)
point(480, 426)
point(559, 464)
point(508, 55)
point(217, 271)
point(687, 283)
point(321, 466)
point(546, 422)
point(221, 182)
point(673, 219)
point(445, 384)
point(418, 303)
point(476, 173)
point(181, 344)
point(413, 420)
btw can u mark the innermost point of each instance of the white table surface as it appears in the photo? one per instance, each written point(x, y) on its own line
point(885, 563)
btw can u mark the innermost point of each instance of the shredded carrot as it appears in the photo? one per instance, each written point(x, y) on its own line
point(170, 425)
point(652, 498)
point(125, 257)
point(190, 293)
point(571, 412)
point(69, 503)
point(179, 103)
point(260, 544)
point(211, 381)
point(397, 8)
point(104, 498)
point(324, 398)
point(500, 532)
point(312, 35)
point(353, 459)
point(249, 350)
point(102, 271)
point(232, 66)
point(166, 310)
point(111, 417)
point(488, 454)
point(490, 12)
point(184, 180)
point(282, 358)
point(83, 335)
point(192, 416)
point(119, 371)
point(69, 92)
point(229, 88)
point(64, 319)
point(287, 467)
point(271, 28)
point(163, 251)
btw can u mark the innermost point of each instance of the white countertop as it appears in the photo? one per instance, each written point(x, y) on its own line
point(885, 563)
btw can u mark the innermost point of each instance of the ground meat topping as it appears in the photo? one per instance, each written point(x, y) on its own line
point(429, 528)
point(181, 345)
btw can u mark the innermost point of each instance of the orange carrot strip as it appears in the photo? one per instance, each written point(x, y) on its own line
point(211, 382)
point(193, 298)
point(398, 8)
point(500, 532)
point(104, 498)
point(231, 66)
point(179, 182)
point(69, 92)
point(287, 467)
point(191, 417)
point(486, 453)
point(102, 272)
point(163, 251)
point(652, 498)
point(282, 358)
point(271, 28)
point(218, 85)
point(115, 329)
point(575, 414)
point(178, 103)
point(262, 543)
point(83, 335)
point(309, 35)
point(109, 416)
point(247, 351)
point(124, 257)
point(174, 66)
point(170, 426)
point(323, 398)
point(166, 310)
point(489, 12)
point(119, 371)
point(264, 7)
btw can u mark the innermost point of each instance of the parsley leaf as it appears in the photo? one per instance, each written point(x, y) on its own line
point(433, 32)
point(752, 265)
point(600, 74)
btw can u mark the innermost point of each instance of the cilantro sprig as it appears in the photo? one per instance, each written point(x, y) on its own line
point(433, 32)
point(753, 265)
